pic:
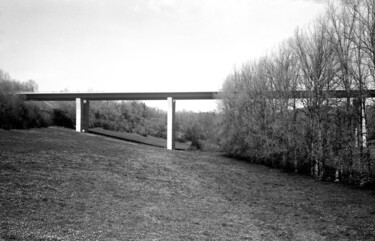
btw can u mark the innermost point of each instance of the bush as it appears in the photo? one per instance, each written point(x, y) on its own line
point(14, 111)
point(200, 129)
point(61, 118)
point(265, 117)
point(194, 135)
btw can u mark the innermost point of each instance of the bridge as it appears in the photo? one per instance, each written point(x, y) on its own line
point(83, 100)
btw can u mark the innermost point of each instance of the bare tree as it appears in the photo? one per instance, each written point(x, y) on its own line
point(315, 56)
point(363, 72)
point(282, 74)
point(340, 29)
point(261, 119)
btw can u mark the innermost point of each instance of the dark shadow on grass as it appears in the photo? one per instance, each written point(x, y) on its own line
point(299, 175)
point(122, 138)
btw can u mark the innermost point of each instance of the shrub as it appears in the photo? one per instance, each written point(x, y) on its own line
point(14, 111)
point(61, 118)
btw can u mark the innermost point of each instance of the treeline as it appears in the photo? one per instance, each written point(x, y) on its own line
point(14, 112)
point(318, 135)
point(132, 117)
point(200, 129)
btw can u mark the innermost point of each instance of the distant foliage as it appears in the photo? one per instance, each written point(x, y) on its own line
point(14, 112)
point(132, 117)
point(318, 135)
point(200, 129)
point(61, 118)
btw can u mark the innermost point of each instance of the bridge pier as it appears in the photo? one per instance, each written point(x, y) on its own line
point(171, 123)
point(82, 115)
point(361, 130)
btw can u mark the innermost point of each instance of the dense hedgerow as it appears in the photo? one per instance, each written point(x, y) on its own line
point(318, 135)
point(14, 112)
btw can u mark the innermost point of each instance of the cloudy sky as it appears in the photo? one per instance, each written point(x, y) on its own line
point(142, 45)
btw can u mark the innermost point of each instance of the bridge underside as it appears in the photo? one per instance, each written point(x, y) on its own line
point(121, 96)
point(83, 104)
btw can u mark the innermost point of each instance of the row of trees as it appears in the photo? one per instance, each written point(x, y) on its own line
point(200, 129)
point(135, 117)
point(14, 112)
point(262, 121)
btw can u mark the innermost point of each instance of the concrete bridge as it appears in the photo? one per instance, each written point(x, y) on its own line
point(83, 100)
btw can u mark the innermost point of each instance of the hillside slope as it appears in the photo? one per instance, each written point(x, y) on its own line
point(136, 138)
point(56, 184)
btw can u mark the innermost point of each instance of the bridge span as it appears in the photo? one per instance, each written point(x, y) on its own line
point(83, 99)
point(83, 106)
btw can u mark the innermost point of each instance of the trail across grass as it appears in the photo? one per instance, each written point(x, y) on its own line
point(56, 184)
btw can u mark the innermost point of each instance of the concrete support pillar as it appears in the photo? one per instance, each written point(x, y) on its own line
point(359, 105)
point(356, 103)
point(171, 123)
point(364, 124)
point(82, 115)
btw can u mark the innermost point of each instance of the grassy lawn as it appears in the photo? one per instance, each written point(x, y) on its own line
point(57, 184)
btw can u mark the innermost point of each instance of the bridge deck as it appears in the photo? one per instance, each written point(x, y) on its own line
point(121, 96)
point(181, 95)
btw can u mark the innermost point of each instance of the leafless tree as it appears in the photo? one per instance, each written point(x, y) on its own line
point(315, 56)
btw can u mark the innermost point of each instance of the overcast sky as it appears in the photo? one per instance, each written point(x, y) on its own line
point(142, 45)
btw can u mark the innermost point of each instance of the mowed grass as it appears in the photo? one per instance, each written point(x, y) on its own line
point(56, 184)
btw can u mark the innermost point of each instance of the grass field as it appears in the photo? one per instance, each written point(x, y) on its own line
point(57, 184)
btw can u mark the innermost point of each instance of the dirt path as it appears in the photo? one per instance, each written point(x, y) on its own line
point(56, 184)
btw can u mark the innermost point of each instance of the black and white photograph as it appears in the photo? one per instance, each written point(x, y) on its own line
point(187, 120)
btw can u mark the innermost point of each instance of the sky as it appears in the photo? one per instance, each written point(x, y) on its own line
point(142, 45)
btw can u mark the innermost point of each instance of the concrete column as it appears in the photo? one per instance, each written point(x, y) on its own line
point(361, 130)
point(171, 123)
point(356, 103)
point(364, 127)
point(82, 115)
